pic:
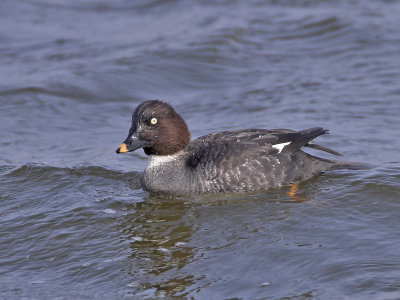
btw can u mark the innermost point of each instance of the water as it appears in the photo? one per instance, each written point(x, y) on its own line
point(76, 224)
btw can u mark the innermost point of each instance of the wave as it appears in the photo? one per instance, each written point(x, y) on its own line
point(39, 172)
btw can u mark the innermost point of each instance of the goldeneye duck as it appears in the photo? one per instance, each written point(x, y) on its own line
point(229, 161)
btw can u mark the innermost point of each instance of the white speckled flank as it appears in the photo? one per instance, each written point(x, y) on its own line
point(280, 146)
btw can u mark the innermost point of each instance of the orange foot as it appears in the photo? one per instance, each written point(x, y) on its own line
point(294, 188)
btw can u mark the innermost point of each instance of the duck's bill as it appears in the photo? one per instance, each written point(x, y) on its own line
point(122, 148)
point(132, 145)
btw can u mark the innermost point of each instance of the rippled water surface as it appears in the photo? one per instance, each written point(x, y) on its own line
point(74, 222)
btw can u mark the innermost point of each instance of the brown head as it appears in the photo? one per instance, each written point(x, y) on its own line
point(157, 128)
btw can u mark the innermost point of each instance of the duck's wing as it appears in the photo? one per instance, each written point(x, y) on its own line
point(241, 145)
point(249, 159)
point(310, 144)
point(261, 141)
point(226, 145)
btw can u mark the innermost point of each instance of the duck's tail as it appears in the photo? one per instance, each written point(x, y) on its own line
point(340, 165)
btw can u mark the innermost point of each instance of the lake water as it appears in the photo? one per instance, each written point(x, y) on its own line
point(74, 222)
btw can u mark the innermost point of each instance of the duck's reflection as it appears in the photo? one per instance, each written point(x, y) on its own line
point(158, 231)
point(160, 234)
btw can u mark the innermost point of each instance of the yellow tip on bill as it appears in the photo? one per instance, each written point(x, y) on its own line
point(123, 148)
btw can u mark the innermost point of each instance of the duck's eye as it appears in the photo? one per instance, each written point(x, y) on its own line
point(153, 121)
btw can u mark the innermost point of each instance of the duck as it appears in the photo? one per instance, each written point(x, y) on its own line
point(248, 160)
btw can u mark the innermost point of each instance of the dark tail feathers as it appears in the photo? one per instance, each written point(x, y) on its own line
point(301, 138)
point(340, 165)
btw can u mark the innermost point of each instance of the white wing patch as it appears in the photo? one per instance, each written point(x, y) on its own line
point(280, 146)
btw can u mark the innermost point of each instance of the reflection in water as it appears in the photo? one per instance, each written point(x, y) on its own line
point(159, 230)
point(163, 234)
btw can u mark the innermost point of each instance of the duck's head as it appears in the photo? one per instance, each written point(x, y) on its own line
point(157, 128)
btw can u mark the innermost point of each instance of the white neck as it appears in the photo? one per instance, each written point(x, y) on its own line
point(159, 160)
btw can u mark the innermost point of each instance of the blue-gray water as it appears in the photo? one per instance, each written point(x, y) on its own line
point(74, 222)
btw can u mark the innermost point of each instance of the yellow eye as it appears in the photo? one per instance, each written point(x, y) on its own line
point(153, 121)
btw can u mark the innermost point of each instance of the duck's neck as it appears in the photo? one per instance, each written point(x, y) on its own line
point(156, 161)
